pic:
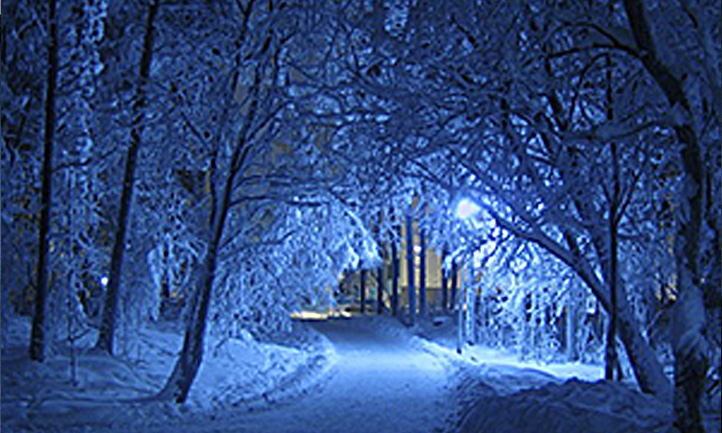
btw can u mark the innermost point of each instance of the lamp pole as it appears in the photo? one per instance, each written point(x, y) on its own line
point(466, 209)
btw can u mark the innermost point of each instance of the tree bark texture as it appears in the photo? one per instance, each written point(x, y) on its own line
point(38, 341)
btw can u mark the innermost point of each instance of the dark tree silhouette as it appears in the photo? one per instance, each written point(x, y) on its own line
point(110, 308)
point(38, 341)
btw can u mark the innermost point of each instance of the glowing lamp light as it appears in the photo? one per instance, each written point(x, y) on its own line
point(467, 208)
point(104, 281)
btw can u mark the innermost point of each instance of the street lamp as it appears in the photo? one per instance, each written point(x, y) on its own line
point(467, 209)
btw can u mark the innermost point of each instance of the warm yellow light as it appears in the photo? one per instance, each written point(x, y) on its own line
point(309, 315)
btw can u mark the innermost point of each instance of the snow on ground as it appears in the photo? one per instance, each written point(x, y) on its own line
point(369, 377)
point(494, 391)
point(116, 393)
point(572, 406)
point(371, 374)
point(381, 382)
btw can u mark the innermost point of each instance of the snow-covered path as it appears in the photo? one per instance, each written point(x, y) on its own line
point(380, 382)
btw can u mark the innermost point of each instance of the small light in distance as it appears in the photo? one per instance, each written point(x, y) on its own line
point(103, 281)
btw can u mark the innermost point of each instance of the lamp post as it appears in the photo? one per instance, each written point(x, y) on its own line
point(465, 210)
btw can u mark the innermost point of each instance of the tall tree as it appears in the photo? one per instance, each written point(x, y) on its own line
point(613, 221)
point(23, 89)
point(689, 342)
point(112, 294)
point(38, 341)
point(184, 372)
point(186, 368)
point(253, 162)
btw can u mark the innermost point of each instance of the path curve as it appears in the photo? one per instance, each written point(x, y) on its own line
point(381, 382)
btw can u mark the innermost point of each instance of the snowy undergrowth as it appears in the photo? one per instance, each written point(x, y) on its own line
point(115, 392)
point(494, 390)
point(497, 393)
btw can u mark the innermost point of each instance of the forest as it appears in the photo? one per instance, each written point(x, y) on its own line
point(542, 177)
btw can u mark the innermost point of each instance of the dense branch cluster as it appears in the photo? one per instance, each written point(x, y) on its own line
point(281, 143)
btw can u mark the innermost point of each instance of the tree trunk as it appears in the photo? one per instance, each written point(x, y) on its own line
point(611, 358)
point(362, 291)
point(690, 347)
point(380, 289)
point(179, 383)
point(38, 341)
point(411, 288)
point(380, 284)
point(422, 273)
point(394, 277)
point(470, 301)
point(571, 329)
point(444, 285)
point(460, 322)
point(689, 343)
point(112, 295)
point(647, 368)
point(186, 367)
point(613, 220)
point(185, 370)
point(454, 283)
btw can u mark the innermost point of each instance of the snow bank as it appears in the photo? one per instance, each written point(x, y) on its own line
point(117, 392)
point(495, 391)
point(574, 406)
